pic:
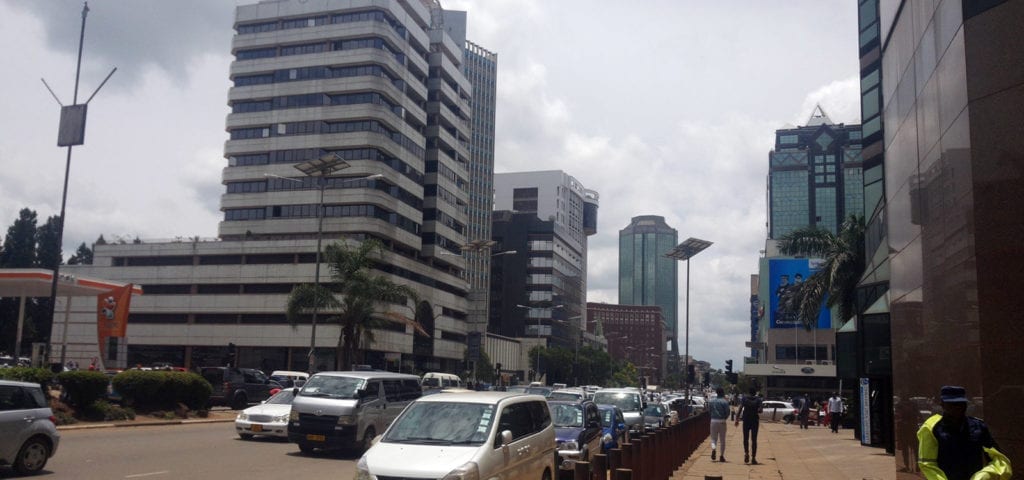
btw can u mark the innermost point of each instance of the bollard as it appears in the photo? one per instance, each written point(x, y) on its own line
point(639, 467)
point(600, 470)
point(709, 477)
point(581, 471)
point(623, 474)
point(659, 455)
point(614, 459)
point(627, 457)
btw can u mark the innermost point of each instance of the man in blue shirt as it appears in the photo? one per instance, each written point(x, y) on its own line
point(719, 409)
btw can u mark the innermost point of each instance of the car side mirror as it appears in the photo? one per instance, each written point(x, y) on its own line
point(295, 391)
point(506, 438)
point(622, 426)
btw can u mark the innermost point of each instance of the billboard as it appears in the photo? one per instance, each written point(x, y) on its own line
point(782, 274)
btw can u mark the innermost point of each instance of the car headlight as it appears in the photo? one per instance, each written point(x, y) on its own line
point(469, 471)
point(570, 445)
point(363, 471)
point(346, 420)
point(293, 415)
point(282, 418)
point(242, 416)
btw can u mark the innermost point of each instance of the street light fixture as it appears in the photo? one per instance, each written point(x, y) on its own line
point(528, 308)
point(685, 251)
point(320, 168)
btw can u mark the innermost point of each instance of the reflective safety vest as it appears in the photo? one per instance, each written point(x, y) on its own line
point(998, 467)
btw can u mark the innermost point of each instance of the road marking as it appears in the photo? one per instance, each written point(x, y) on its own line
point(137, 475)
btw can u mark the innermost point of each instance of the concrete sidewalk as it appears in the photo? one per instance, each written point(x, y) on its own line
point(787, 452)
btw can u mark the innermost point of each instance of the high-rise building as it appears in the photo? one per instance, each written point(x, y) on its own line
point(635, 333)
point(814, 176)
point(646, 275)
point(378, 85)
point(951, 93)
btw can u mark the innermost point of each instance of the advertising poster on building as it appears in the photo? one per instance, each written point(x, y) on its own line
point(783, 274)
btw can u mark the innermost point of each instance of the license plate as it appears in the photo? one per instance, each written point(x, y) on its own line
point(316, 438)
point(257, 428)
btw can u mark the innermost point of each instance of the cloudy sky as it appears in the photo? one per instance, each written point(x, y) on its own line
point(665, 107)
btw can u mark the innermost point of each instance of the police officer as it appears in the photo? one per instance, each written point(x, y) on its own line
point(953, 446)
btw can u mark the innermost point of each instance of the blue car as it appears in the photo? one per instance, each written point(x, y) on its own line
point(613, 427)
point(577, 432)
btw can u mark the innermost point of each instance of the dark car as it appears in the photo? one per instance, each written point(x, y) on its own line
point(238, 387)
point(577, 431)
point(613, 427)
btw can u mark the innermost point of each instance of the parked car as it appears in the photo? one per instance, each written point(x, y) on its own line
point(577, 431)
point(288, 378)
point(440, 380)
point(613, 427)
point(656, 415)
point(568, 395)
point(269, 418)
point(775, 410)
point(28, 432)
point(466, 435)
point(237, 387)
point(629, 401)
point(336, 410)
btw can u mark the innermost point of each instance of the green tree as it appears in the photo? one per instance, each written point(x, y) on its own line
point(626, 375)
point(20, 242)
point(82, 256)
point(594, 366)
point(484, 369)
point(354, 299)
point(844, 263)
point(48, 254)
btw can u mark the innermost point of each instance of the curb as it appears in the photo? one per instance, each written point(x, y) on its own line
point(142, 424)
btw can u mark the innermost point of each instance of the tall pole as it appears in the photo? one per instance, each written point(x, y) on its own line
point(688, 407)
point(537, 374)
point(316, 276)
point(63, 201)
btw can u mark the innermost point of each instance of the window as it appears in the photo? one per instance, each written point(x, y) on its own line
point(372, 389)
point(518, 419)
point(393, 390)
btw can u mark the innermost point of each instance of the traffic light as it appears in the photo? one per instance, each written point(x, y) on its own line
point(232, 352)
point(691, 374)
point(728, 367)
point(707, 378)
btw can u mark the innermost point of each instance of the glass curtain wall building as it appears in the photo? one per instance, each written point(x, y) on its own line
point(814, 176)
point(646, 275)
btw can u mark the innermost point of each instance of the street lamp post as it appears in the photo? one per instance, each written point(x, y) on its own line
point(319, 167)
point(686, 251)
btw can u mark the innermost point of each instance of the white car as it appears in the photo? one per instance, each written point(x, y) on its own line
point(269, 418)
point(478, 435)
point(779, 411)
point(28, 435)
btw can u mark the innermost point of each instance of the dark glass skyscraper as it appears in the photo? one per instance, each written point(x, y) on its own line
point(646, 275)
point(814, 176)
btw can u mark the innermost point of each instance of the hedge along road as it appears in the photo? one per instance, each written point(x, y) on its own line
point(173, 451)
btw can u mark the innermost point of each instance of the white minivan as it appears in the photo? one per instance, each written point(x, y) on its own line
point(471, 435)
point(438, 381)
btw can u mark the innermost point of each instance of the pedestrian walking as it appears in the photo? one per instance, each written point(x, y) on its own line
point(719, 408)
point(749, 413)
point(803, 410)
point(835, 411)
point(953, 446)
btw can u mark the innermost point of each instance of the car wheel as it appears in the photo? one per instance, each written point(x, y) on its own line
point(306, 448)
point(32, 456)
point(368, 439)
point(788, 419)
point(239, 402)
point(547, 475)
point(245, 436)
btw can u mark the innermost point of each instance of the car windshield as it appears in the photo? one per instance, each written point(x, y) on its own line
point(331, 386)
point(566, 415)
point(442, 423)
point(546, 392)
point(627, 402)
point(284, 397)
point(654, 411)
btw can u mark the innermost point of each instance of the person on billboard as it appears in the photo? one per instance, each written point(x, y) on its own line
point(781, 314)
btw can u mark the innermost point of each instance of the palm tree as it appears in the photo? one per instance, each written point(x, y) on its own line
point(844, 264)
point(354, 298)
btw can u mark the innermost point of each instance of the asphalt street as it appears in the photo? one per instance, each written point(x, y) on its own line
point(199, 451)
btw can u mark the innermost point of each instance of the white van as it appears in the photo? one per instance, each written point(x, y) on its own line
point(438, 380)
point(288, 378)
point(335, 410)
point(485, 435)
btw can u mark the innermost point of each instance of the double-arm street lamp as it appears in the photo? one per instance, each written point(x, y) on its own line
point(686, 251)
point(528, 308)
point(320, 168)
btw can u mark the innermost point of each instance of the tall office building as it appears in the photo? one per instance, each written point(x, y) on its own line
point(951, 93)
point(557, 197)
point(379, 85)
point(646, 275)
point(814, 176)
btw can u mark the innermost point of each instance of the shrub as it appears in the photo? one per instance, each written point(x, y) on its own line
point(146, 389)
point(103, 410)
point(83, 387)
point(64, 418)
point(42, 376)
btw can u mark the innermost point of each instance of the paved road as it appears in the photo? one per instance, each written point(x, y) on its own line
point(197, 451)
